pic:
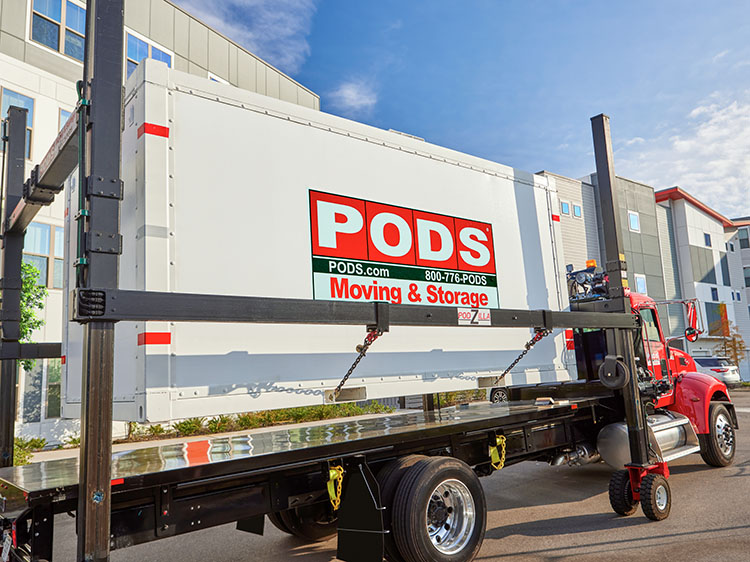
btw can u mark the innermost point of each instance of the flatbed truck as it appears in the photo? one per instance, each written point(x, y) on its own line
point(403, 487)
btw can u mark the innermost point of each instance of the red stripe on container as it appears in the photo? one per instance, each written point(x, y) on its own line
point(556, 218)
point(574, 406)
point(118, 481)
point(62, 360)
point(154, 338)
point(151, 129)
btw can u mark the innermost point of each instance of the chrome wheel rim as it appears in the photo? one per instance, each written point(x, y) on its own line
point(499, 396)
point(724, 435)
point(450, 516)
point(661, 497)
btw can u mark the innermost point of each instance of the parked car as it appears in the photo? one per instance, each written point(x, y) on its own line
point(498, 394)
point(720, 368)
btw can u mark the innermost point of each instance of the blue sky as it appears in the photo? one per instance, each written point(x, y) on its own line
point(516, 82)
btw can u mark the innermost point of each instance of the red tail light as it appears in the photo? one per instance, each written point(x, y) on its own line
point(719, 370)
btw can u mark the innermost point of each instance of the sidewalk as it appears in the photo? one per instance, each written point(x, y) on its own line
point(74, 452)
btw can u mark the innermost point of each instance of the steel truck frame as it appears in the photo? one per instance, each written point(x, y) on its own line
point(146, 499)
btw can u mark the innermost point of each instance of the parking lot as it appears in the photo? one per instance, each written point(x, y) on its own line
point(536, 512)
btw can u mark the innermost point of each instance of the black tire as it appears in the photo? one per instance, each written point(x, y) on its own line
point(621, 494)
point(498, 395)
point(416, 495)
point(311, 523)
point(656, 497)
point(719, 445)
point(275, 518)
point(388, 479)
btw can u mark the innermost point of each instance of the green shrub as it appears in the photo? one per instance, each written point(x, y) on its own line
point(221, 424)
point(156, 430)
point(73, 441)
point(190, 426)
point(23, 449)
point(247, 421)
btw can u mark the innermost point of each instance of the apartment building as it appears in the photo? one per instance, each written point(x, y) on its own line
point(41, 53)
point(675, 246)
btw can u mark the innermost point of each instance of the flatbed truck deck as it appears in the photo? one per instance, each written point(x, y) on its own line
point(170, 489)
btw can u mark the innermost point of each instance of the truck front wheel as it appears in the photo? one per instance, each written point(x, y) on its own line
point(718, 446)
point(439, 512)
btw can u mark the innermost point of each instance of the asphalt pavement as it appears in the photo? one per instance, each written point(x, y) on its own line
point(536, 512)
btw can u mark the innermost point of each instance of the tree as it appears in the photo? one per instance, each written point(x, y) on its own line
point(732, 345)
point(32, 301)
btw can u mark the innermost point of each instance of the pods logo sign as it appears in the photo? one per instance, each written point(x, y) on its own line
point(389, 249)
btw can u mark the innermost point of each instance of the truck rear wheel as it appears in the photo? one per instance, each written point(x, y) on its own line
point(656, 497)
point(389, 478)
point(439, 512)
point(277, 522)
point(718, 446)
point(621, 494)
point(311, 523)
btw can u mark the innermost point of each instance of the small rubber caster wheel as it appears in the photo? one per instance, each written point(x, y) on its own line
point(621, 494)
point(656, 497)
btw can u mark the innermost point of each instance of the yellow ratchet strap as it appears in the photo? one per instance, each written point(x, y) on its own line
point(335, 480)
point(497, 458)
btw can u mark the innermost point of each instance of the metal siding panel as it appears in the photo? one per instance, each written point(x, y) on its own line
point(260, 77)
point(218, 55)
point(12, 45)
point(272, 82)
point(650, 244)
point(198, 44)
point(14, 18)
point(288, 90)
point(181, 33)
point(162, 23)
point(306, 99)
point(181, 63)
point(138, 16)
point(580, 236)
point(42, 58)
point(197, 70)
point(233, 51)
point(246, 71)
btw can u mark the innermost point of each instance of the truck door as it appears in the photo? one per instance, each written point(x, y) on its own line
point(656, 354)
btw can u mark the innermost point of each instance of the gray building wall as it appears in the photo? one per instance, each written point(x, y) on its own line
point(580, 235)
point(197, 49)
point(670, 266)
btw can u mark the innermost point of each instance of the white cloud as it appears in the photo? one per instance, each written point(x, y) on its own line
point(720, 55)
point(275, 30)
point(635, 140)
point(709, 157)
point(353, 98)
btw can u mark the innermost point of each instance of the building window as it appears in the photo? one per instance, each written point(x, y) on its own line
point(137, 49)
point(59, 25)
point(731, 246)
point(746, 270)
point(744, 238)
point(714, 294)
point(64, 116)
point(564, 208)
point(739, 296)
point(577, 211)
point(640, 284)
point(43, 247)
point(9, 97)
point(52, 406)
point(707, 239)
point(634, 221)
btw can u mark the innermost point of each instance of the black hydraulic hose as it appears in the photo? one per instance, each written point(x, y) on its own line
point(2, 171)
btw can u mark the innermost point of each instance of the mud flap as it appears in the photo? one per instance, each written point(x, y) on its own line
point(360, 517)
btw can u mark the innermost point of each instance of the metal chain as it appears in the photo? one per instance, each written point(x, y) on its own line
point(335, 485)
point(362, 349)
point(527, 347)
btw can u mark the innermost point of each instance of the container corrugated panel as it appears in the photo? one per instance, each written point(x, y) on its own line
point(231, 192)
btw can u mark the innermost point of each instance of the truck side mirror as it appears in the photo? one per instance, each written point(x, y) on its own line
point(691, 334)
